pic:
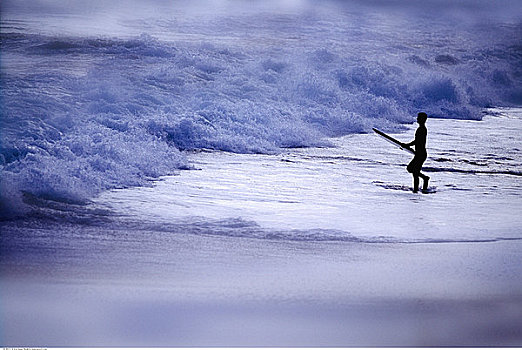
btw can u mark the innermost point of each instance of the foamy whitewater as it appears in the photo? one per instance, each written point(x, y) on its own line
point(105, 96)
point(186, 159)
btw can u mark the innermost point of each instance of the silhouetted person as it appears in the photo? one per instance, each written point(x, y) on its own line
point(415, 165)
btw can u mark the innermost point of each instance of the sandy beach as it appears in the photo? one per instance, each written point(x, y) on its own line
point(189, 290)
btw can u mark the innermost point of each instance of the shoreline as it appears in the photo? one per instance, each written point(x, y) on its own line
point(234, 254)
point(291, 294)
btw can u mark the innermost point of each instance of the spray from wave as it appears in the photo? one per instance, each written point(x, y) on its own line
point(103, 102)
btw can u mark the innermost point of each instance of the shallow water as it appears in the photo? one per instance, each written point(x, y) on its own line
point(358, 190)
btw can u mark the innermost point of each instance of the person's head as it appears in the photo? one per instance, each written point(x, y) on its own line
point(421, 118)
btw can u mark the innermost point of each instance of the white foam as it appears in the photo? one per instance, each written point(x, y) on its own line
point(359, 191)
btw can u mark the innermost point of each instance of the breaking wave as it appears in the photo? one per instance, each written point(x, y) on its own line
point(84, 113)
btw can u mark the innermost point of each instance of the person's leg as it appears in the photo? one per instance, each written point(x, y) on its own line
point(425, 179)
point(415, 182)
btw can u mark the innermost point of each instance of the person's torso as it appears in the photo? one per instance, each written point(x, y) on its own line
point(420, 139)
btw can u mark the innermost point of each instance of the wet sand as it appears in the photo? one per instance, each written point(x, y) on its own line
point(189, 290)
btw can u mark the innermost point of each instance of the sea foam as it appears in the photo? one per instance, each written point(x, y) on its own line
point(83, 112)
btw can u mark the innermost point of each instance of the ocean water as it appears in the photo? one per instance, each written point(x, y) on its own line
point(99, 96)
point(357, 191)
point(204, 173)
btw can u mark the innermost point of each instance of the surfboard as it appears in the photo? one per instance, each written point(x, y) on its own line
point(393, 141)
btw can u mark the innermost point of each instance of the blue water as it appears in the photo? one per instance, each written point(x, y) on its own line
point(105, 96)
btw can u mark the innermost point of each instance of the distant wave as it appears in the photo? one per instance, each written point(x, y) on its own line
point(83, 114)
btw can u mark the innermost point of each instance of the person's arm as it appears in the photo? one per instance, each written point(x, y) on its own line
point(410, 144)
point(406, 145)
point(413, 143)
